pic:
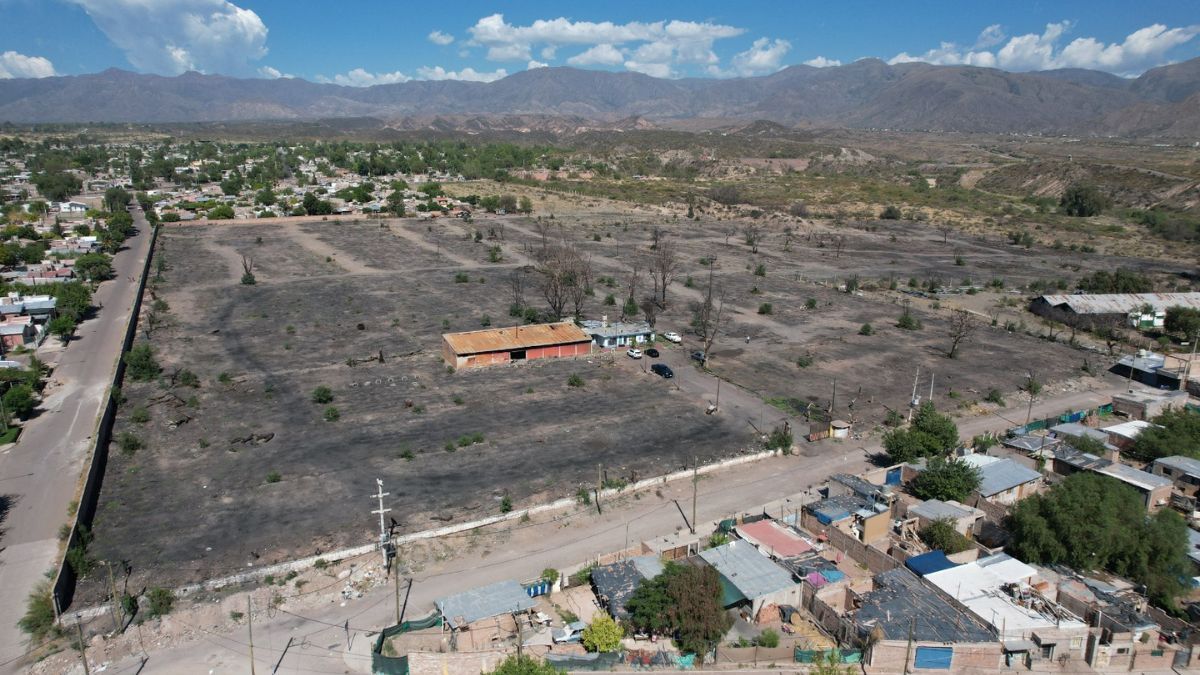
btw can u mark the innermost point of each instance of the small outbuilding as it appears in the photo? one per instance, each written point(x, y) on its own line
point(614, 334)
point(463, 609)
point(495, 346)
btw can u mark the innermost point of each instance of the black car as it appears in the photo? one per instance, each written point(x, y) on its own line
point(652, 353)
point(663, 370)
point(698, 356)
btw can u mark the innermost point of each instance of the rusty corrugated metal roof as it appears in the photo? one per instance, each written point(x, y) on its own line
point(1122, 303)
point(518, 337)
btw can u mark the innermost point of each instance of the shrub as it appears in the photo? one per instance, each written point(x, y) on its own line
point(139, 415)
point(322, 394)
point(128, 443)
point(505, 504)
point(161, 600)
point(940, 535)
point(485, 321)
point(332, 414)
point(766, 308)
point(810, 303)
point(866, 329)
point(187, 378)
point(994, 396)
point(768, 638)
point(39, 620)
point(908, 322)
point(760, 270)
point(19, 401)
point(274, 477)
point(890, 212)
point(140, 363)
point(461, 278)
point(804, 360)
point(603, 634)
point(224, 378)
point(575, 380)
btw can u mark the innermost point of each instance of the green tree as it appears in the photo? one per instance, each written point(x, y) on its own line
point(116, 199)
point(940, 535)
point(221, 212)
point(603, 634)
point(19, 401)
point(524, 664)
point(94, 266)
point(395, 203)
point(1183, 321)
point(62, 326)
point(1176, 432)
point(265, 197)
point(73, 299)
point(945, 479)
point(526, 205)
point(1118, 537)
point(1083, 201)
point(890, 212)
point(699, 617)
point(931, 433)
point(314, 206)
point(1120, 281)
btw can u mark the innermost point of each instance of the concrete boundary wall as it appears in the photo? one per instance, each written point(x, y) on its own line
point(63, 588)
point(281, 569)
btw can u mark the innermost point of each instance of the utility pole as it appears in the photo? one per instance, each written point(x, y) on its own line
point(718, 403)
point(250, 629)
point(116, 602)
point(383, 535)
point(82, 644)
point(695, 482)
point(599, 485)
point(912, 402)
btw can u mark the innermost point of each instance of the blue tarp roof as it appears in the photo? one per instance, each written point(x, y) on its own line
point(928, 563)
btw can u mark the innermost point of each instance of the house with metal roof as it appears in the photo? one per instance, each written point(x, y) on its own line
point(1141, 310)
point(1148, 368)
point(616, 583)
point(965, 518)
point(495, 346)
point(751, 578)
point(1002, 480)
point(463, 609)
point(1184, 474)
point(615, 334)
point(1154, 489)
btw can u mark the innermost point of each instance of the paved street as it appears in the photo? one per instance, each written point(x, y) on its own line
point(42, 472)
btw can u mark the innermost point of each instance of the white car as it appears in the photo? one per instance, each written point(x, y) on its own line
point(634, 353)
point(673, 337)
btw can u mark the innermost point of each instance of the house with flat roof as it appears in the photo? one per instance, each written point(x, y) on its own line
point(1154, 489)
point(965, 518)
point(1145, 405)
point(495, 346)
point(998, 590)
point(616, 583)
point(461, 610)
point(1184, 474)
point(1124, 434)
point(616, 334)
point(750, 578)
point(774, 539)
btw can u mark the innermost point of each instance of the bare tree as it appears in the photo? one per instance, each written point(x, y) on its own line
point(649, 307)
point(798, 209)
point(945, 228)
point(631, 281)
point(664, 265)
point(579, 279)
point(553, 282)
point(839, 243)
point(516, 280)
point(962, 328)
point(728, 231)
point(656, 235)
point(753, 234)
point(787, 238)
point(566, 277)
point(543, 228)
point(709, 317)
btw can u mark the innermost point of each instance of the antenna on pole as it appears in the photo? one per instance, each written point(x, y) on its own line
point(383, 534)
point(931, 377)
point(915, 400)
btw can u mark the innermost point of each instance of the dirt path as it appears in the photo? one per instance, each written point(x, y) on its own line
point(401, 230)
point(313, 244)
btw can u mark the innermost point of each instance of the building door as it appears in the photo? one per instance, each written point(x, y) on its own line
point(934, 657)
point(518, 355)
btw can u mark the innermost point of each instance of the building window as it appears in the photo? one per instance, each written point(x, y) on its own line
point(1122, 650)
point(1048, 651)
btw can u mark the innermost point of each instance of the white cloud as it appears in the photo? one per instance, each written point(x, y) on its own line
point(1142, 49)
point(822, 62)
point(764, 56)
point(653, 48)
point(600, 55)
point(532, 65)
point(437, 37)
point(173, 36)
point(465, 75)
point(360, 77)
point(15, 64)
point(273, 73)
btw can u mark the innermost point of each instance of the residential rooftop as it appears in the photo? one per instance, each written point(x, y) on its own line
point(1187, 465)
point(515, 338)
point(902, 606)
point(998, 474)
point(750, 572)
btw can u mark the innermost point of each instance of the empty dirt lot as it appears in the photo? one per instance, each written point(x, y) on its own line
point(245, 469)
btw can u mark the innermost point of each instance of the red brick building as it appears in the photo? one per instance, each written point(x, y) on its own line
point(494, 346)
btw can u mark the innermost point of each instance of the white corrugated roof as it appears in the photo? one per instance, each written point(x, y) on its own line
point(1122, 303)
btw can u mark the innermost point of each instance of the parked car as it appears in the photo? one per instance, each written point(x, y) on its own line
point(634, 353)
point(662, 370)
point(672, 337)
point(572, 632)
point(698, 356)
point(652, 353)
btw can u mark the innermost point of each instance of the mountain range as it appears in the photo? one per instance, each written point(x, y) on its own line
point(869, 93)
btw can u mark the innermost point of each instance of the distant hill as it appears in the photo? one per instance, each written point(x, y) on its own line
point(865, 94)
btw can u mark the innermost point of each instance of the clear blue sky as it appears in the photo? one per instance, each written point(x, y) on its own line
point(363, 42)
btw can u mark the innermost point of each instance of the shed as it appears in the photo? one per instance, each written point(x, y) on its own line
point(495, 346)
point(463, 609)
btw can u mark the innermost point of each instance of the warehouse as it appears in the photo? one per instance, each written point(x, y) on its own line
point(494, 346)
point(1139, 310)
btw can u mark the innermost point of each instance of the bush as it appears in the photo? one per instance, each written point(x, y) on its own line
point(19, 401)
point(760, 270)
point(945, 480)
point(322, 394)
point(139, 415)
point(866, 329)
point(128, 443)
point(766, 308)
point(140, 363)
point(274, 477)
point(890, 213)
point(768, 638)
point(810, 303)
point(994, 396)
point(908, 322)
point(1083, 201)
point(940, 535)
point(187, 378)
point(804, 360)
point(575, 380)
point(780, 438)
point(38, 621)
point(161, 600)
point(331, 414)
point(603, 634)
point(462, 278)
point(505, 504)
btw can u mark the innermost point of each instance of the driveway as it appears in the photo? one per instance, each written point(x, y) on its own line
point(42, 472)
